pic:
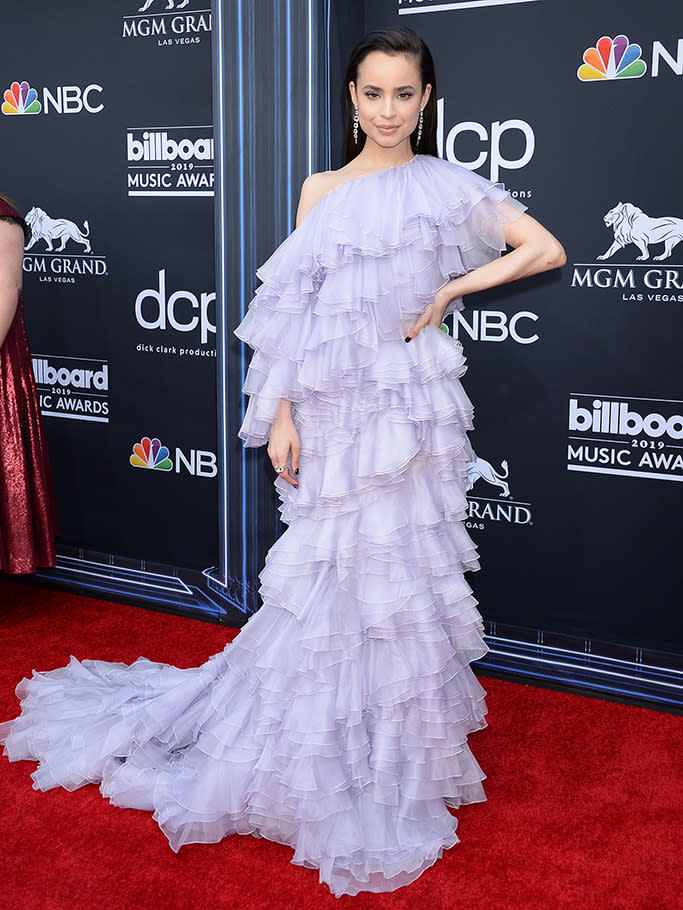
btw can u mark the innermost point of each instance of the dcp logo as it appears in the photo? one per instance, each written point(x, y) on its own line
point(504, 145)
point(182, 310)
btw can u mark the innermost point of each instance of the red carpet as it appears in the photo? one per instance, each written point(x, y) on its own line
point(584, 799)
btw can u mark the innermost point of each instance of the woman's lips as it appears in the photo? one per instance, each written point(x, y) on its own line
point(387, 129)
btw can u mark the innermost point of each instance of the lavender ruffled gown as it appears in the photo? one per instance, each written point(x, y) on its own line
point(337, 720)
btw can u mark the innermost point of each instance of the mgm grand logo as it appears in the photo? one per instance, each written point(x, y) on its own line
point(638, 281)
point(632, 437)
point(493, 508)
point(60, 251)
point(169, 21)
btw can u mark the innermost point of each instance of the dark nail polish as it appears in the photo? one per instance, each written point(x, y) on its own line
point(407, 338)
point(296, 470)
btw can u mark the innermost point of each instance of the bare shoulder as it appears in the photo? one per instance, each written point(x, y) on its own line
point(318, 185)
point(314, 188)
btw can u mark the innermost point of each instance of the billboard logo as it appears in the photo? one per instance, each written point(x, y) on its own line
point(636, 437)
point(170, 161)
point(73, 387)
point(482, 509)
point(20, 98)
point(153, 455)
point(156, 146)
point(612, 59)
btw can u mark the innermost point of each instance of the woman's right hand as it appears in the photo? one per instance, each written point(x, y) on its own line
point(284, 440)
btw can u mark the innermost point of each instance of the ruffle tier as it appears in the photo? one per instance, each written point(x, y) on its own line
point(336, 722)
point(357, 272)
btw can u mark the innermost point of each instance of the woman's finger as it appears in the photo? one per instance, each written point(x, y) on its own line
point(432, 315)
point(296, 451)
point(286, 476)
point(420, 324)
point(280, 461)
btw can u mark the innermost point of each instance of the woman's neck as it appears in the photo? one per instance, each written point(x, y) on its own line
point(374, 156)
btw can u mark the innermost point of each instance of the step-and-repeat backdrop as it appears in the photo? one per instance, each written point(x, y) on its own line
point(577, 378)
point(108, 145)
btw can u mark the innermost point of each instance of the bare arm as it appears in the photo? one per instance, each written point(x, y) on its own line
point(534, 250)
point(11, 258)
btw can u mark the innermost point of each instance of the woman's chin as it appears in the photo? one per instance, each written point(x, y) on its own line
point(388, 140)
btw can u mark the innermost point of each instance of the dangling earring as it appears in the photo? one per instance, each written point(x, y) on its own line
point(356, 119)
point(419, 126)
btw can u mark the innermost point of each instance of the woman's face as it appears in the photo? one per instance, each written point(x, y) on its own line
point(388, 95)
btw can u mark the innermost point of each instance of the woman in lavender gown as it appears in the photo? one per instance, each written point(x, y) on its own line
point(337, 720)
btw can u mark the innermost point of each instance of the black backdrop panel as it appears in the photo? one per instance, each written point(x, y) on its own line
point(576, 377)
point(586, 541)
point(105, 76)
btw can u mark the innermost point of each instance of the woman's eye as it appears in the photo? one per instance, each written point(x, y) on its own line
point(406, 95)
point(371, 95)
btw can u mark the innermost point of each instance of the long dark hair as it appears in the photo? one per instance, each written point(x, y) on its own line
point(393, 41)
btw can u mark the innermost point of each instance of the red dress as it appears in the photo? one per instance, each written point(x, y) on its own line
point(28, 521)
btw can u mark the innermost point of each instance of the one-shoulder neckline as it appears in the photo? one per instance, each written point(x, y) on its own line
point(377, 170)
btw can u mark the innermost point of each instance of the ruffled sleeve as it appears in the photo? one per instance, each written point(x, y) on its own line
point(470, 219)
point(277, 326)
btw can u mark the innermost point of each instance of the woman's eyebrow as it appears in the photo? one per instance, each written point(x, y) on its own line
point(376, 88)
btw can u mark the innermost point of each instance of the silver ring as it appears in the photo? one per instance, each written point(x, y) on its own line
point(279, 468)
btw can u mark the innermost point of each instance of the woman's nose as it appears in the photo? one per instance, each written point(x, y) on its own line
point(388, 108)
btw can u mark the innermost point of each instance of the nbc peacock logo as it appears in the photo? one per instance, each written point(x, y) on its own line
point(20, 98)
point(612, 58)
point(151, 454)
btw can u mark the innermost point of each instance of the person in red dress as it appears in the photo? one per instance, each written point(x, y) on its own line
point(28, 522)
